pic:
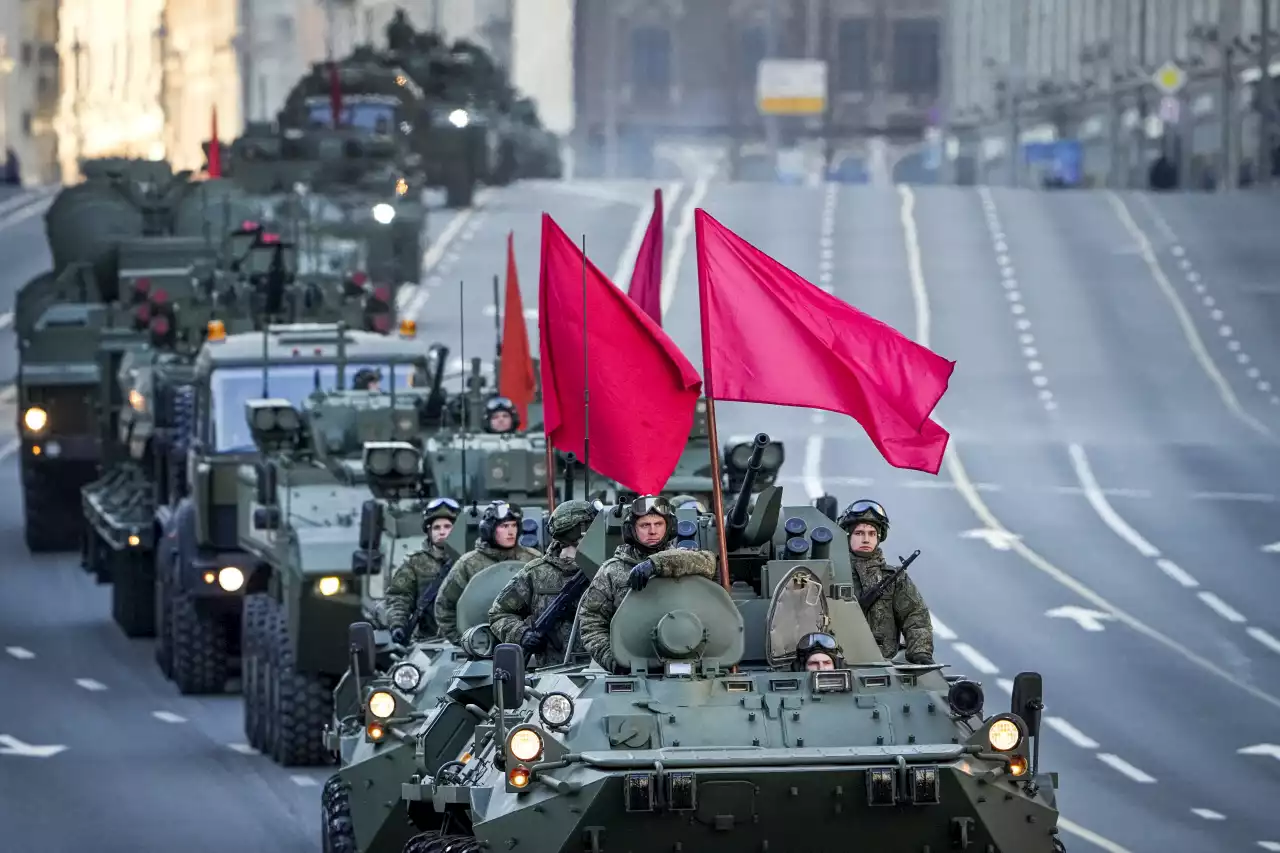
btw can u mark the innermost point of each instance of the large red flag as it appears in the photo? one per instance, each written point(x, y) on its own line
point(643, 390)
point(769, 336)
point(215, 148)
point(646, 278)
point(516, 381)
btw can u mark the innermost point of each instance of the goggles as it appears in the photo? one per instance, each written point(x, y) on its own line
point(650, 505)
point(867, 507)
point(506, 512)
point(810, 643)
point(499, 404)
point(436, 503)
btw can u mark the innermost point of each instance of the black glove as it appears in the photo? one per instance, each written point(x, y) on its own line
point(640, 575)
point(532, 642)
point(920, 659)
point(619, 669)
point(400, 636)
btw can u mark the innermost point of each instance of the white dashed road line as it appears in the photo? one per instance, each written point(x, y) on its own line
point(975, 658)
point(90, 685)
point(1208, 814)
point(243, 749)
point(304, 781)
point(1071, 733)
point(826, 242)
point(1273, 846)
point(19, 652)
point(168, 717)
point(1121, 766)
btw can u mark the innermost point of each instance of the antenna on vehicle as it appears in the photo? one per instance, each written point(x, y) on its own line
point(466, 404)
point(586, 385)
point(266, 357)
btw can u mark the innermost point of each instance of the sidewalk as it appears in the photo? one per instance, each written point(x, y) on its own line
point(19, 203)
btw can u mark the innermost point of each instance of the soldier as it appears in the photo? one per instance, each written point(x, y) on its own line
point(527, 595)
point(399, 32)
point(367, 379)
point(901, 609)
point(648, 528)
point(818, 651)
point(501, 415)
point(415, 585)
point(499, 530)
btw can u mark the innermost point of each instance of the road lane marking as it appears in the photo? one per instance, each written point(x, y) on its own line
point(91, 685)
point(19, 652)
point(1265, 638)
point(1093, 494)
point(975, 658)
point(1208, 814)
point(941, 631)
point(1118, 764)
point(168, 717)
point(813, 467)
point(627, 260)
point(243, 749)
point(680, 242)
point(304, 781)
point(1217, 605)
point(1071, 733)
point(1179, 575)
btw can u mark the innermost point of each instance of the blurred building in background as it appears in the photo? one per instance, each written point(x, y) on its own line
point(1114, 85)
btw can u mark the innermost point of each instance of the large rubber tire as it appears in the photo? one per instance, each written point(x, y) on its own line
point(253, 666)
point(438, 842)
point(133, 592)
point(201, 654)
point(45, 522)
point(164, 622)
point(337, 834)
point(303, 706)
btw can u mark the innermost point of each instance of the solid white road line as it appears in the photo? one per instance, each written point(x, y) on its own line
point(680, 243)
point(627, 260)
point(1093, 494)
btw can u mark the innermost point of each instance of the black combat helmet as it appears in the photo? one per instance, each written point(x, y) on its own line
point(865, 512)
point(495, 514)
point(648, 505)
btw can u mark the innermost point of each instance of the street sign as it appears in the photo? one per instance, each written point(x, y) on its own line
point(1170, 109)
point(795, 87)
point(1169, 78)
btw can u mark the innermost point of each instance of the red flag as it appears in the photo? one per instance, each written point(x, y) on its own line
point(516, 381)
point(769, 336)
point(646, 278)
point(215, 148)
point(643, 390)
point(335, 95)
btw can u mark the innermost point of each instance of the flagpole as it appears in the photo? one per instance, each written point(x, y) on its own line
point(497, 319)
point(466, 401)
point(586, 385)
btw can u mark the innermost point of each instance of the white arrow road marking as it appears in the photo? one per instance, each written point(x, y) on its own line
point(1071, 733)
point(243, 749)
point(1217, 605)
point(1273, 548)
point(91, 685)
point(976, 659)
point(1263, 637)
point(1090, 620)
point(1208, 814)
point(168, 717)
point(1261, 749)
point(1117, 763)
point(19, 652)
point(1001, 540)
point(304, 781)
point(10, 745)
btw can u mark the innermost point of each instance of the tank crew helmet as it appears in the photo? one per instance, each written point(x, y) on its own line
point(435, 508)
point(815, 644)
point(638, 509)
point(366, 379)
point(865, 512)
point(495, 514)
point(689, 502)
point(494, 422)
point(569, 521)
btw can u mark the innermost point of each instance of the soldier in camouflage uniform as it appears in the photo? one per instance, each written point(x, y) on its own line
point(414, 586)
point(535, 587)
point(901, 609)
point(499, 531)
point(648, 528)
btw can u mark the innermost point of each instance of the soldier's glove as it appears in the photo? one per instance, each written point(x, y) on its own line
point(640, 575)
point(619, 669)
point(920, 659)
point(532, 642)
point(400, 636)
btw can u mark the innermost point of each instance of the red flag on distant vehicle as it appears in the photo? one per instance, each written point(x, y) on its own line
point(516, 381)
point(769, 336)
point(215, 148)
point(646, 278)
point(643, 390)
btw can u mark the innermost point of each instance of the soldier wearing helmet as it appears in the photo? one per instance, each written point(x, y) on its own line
point(413, 588)
point(499, 532)
point(533, 589)
point(648, 530)
point(367, 379)
point(901, 609)
point(818, 651)
point(501, 415)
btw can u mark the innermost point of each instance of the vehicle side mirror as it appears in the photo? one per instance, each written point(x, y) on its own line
point(1028, 700)
point(360, 644)
point(508, 675)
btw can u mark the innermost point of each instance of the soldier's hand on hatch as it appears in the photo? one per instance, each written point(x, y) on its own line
point(531, 642)
point(640, 575)
point(400, 636)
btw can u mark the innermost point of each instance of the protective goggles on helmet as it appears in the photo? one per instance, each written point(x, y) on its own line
point(865, 508)
point(435, 503)
point(811, 643)
point(650, 505)
point(505, 511)
point(499, 404)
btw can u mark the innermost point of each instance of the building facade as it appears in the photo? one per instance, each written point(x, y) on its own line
point(645, 70)
point(1039, 70)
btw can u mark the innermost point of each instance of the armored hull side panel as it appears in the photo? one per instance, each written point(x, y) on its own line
point(85, 223)
point(211, 209)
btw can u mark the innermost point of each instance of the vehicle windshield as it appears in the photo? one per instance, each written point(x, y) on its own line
point(380, 118)
point(232, 387)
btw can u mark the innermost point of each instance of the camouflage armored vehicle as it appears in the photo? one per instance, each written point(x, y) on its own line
point(715, 730)
point(130, 225)
point(202, 572)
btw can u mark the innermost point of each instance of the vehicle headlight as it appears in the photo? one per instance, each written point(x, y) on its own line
point(384, 213)
point(556, 709)
point(1005, 733)
point(329, 586)
point(230, 578)
point(382, 704)
point(406, 676)
point(478, 642)
point(525, 745)
point(459, 118)
point(35, 418)
point(405, 462)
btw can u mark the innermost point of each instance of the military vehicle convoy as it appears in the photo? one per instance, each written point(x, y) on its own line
point(712, 739)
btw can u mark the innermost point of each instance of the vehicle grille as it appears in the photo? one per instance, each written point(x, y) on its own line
point(70, 407)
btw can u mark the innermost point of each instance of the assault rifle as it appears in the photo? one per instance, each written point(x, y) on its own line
point(871, 596)
point(559, 607)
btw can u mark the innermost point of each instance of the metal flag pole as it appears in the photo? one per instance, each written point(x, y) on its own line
point(497, 319)
point(466, 402)
point(586, 384)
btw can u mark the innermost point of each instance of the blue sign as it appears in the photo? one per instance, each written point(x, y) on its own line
point(1063, 159)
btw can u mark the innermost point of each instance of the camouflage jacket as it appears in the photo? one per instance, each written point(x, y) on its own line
point(415, 576)
point(468, 566)
point(609, 587)
point(901, 610)
point(526, 596)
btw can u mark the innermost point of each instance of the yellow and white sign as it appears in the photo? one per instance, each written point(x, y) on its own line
point(794, 87)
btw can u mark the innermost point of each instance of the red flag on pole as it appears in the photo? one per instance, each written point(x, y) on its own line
point(646, 278)
point(643, 390)
point(769, 336)
point(335, 94)
point(516, 380)
point(215, 148)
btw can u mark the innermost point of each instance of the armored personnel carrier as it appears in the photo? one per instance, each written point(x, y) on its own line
point(712, 736)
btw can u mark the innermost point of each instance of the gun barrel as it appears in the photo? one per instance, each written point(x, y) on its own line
point(736, 523)
point(569, 460)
